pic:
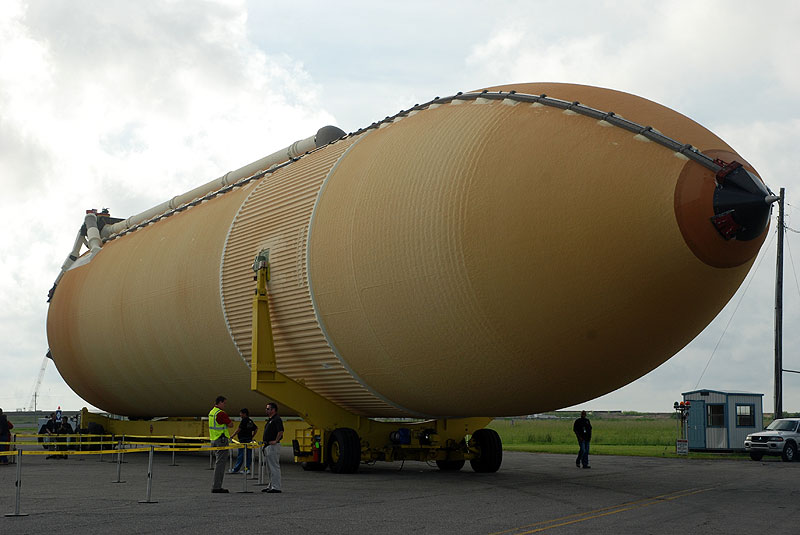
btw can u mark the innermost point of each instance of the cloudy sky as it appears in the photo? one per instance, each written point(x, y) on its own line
point(125, 104)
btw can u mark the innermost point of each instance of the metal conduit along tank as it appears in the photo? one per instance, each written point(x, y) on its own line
point(512, 250)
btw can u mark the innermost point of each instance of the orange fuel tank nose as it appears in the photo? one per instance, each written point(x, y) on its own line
point(722, 216)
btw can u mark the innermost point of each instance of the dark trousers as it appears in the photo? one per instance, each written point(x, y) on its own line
point(583, 453)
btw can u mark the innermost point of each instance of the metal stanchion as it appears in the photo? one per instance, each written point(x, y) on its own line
point(149, 477)
point(173, 451)
point(103, 447)
point(19, 486)
point(119, 464)
point(210, 460)
point(262, 460)
point(253, 471)
point(230, 459)
point(244, 476)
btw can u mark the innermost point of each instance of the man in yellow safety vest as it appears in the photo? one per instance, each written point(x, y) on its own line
point(218, 424)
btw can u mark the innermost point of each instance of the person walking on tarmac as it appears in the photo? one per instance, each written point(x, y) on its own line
point(273, 433)
point(583, 430)
point(218, 424)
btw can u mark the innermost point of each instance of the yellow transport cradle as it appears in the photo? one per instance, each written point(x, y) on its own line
point(336, 438)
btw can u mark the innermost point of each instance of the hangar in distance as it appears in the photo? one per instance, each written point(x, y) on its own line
point(515, 249)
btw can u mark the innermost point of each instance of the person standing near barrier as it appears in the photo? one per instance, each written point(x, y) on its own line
point(5, 435)
point(63, 429)
point(218, 424)
point(49, 428)
point(245, 432)
point(273, 433)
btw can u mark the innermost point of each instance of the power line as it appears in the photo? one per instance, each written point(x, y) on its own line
point(741, 298)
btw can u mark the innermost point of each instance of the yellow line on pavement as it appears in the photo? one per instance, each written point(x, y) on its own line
point(599, 513)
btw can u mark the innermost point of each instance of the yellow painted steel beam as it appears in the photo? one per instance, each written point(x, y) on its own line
point(179, 427)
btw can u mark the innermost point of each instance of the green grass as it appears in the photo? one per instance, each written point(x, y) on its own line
point(638, 435)
point(638, 431)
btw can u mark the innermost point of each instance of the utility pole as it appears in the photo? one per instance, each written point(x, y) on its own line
point(779, 314)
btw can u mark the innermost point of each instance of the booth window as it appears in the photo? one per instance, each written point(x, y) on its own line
point(745, 416)
point(716, 416)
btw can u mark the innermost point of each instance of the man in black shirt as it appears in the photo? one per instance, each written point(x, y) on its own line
point(583, 430)
point(273, 433)
point(247, 428)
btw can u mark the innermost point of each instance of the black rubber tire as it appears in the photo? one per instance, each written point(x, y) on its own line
point(490, 449)
point(313, 467)
point(94, 429)
point(450, 465)
point(344, 451)
point(756, 456)
point(789, 452)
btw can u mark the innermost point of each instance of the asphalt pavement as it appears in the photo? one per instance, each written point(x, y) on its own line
point(531, 493)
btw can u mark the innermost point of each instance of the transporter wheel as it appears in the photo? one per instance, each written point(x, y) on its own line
point(756, 456)
point(789, 452)
point(344, 451)
point(94, 429)
point(450, 465)
point(313, 467)
point(490, 449)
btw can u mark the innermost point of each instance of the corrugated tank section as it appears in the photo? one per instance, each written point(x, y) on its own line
point(276, 216)
point(465, 259)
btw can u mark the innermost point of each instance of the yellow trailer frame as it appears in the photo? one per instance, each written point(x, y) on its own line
point(333, 436)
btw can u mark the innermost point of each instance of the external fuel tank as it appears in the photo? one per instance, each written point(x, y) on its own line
point(502, 252)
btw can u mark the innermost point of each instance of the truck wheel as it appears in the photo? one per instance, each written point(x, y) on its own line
point(490, 449)
point(344, 451)
point(314, 467)
point(450, 465)
point(756, 456)
point(789, 452)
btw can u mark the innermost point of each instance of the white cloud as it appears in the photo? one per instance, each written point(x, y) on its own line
point(121, 105)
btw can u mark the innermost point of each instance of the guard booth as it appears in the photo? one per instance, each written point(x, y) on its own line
point(721, 420)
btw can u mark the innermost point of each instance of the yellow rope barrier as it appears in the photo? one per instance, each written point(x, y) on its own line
point(200, 444)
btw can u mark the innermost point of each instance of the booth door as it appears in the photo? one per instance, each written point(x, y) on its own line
point(697, 425)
